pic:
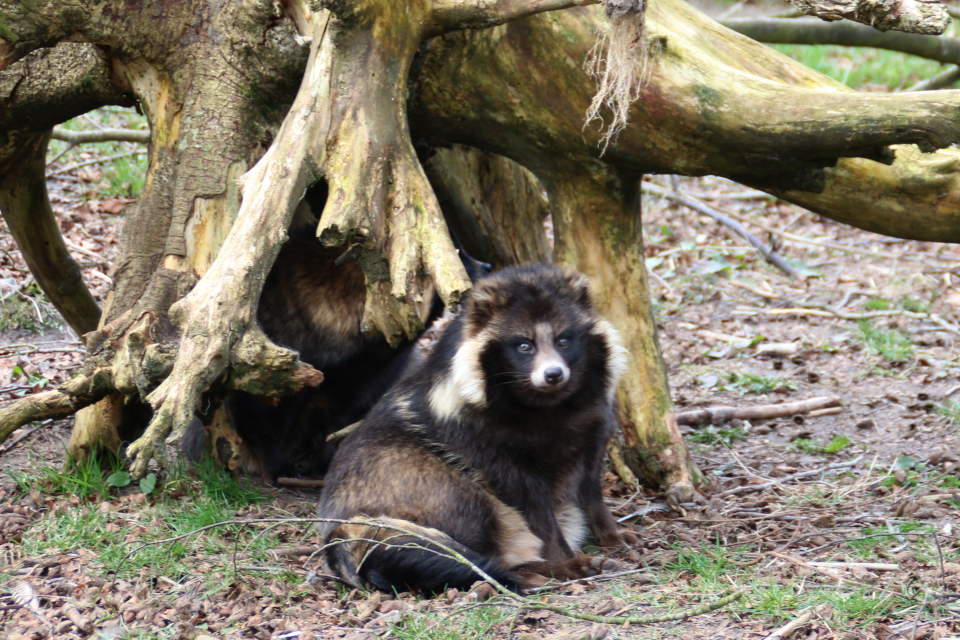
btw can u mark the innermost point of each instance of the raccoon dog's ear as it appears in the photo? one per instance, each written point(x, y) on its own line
point(482, 305)
point(580, 285)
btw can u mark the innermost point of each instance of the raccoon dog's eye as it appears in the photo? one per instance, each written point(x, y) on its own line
point(563, 342)
point(525, 347)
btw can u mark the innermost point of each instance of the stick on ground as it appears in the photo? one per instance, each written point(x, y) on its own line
point(721, 414)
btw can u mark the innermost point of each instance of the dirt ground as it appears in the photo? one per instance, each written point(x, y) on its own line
point(874, 321)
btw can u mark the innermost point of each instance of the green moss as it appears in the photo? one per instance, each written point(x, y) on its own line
point(710, 101)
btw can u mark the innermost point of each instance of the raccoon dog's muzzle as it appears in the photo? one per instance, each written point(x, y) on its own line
point(550, 372)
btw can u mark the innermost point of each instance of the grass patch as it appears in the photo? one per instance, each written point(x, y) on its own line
point(889, 343)
point(863, 67)
point(29, 310)
point(913, 305)
point(110, 521)
point(711, 435)
point(84, 480)
point(877, 304)
point(474, 623)
point(836, 445)
point(749, 383)
point(124, 177)
point(950, 410)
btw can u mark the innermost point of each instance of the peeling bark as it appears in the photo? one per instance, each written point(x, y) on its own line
point(914, 16)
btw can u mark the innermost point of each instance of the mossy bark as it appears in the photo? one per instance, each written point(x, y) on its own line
point(597, 225)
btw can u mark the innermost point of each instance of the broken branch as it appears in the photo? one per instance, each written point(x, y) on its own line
point(470, 14)
point(103, 135)
point(721, 414)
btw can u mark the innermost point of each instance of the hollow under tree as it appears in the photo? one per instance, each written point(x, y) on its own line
point(266, 98)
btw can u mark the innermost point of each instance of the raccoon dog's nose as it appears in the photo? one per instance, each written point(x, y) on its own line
point(553, 376)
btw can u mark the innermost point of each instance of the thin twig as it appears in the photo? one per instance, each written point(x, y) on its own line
point(337, 436)
point(60, 155)
point(599, 578)
point(783, 632)
point(9, 445)
point(771, 256)
point(825, 311)
point(795, 476)
point(88, 163)
point(916, 621)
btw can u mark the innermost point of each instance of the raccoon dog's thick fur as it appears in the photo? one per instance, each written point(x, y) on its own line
point(493, 446)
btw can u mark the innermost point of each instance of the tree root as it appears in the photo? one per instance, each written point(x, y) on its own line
point(65, 401)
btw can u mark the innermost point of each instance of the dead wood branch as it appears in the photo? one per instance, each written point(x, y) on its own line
point(769, 254)
point(719, 415)
point(65, 401)
point(943, 80)
point(300, 483)
point(103, 135)
point(914, 16)
point(918, 196)
point(786, 630)
point(848, 34)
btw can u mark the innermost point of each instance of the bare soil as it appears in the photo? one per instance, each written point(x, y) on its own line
point(776, 502)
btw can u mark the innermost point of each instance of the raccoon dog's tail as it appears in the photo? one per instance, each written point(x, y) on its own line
point(391, 559)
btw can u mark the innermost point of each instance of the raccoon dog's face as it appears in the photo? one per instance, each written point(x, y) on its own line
point(533, 328)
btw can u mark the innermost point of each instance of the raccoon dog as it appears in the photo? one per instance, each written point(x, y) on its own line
point(493, 446)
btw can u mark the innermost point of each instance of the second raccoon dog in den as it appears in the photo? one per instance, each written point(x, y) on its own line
point(493, 446)
point(312, 302)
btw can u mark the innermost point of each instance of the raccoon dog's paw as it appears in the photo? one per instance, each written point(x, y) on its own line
point(534, 574)
point(619, 538)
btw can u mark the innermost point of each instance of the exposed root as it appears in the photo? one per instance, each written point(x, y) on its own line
point(619, 62)
point(65, 401)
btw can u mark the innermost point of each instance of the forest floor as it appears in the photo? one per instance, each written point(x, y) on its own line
point(844, 520)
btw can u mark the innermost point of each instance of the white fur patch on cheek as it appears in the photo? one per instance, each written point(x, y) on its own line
point(617, 354)
point(465, 384)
